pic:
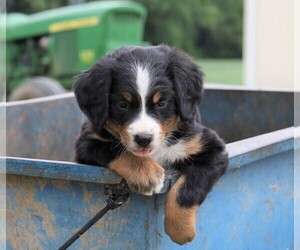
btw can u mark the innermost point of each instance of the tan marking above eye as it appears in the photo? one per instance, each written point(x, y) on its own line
point(127, 96)
point(95, 136)
point(156, 97)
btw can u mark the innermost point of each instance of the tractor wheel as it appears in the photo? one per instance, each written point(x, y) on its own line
point(36, 87)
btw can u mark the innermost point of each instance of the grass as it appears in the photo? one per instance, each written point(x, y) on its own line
point(226, 71)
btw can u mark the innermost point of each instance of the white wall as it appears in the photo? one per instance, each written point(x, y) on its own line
point(268, 43)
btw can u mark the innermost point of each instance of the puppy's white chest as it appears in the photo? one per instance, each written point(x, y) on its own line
point(170, 154)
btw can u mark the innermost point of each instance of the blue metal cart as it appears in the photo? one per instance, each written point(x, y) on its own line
point(251, 207)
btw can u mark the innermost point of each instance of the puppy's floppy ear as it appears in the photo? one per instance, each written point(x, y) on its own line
point(92, 91)
point(188, 82)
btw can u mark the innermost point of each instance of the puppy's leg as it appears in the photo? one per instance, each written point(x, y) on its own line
point(179, 220)
point(143, 175)
point(198, 176)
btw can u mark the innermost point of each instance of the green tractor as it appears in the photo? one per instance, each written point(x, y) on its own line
point(46, 50)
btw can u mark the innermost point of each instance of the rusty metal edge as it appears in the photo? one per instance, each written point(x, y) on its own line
point(68, 171)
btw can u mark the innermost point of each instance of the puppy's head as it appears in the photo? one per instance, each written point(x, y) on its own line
point(140, 95)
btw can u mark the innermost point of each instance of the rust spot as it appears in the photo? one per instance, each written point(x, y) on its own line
point(63, 185)
point(86, 239)
point(41, 183)
point(22, 228)
point(87, 196)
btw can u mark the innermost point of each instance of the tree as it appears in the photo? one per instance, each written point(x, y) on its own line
point(32, 6)
point(225, 37)
point(178, 22)
point(209, 28)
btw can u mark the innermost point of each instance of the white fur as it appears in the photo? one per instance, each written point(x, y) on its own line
point(144, 123)
point(143, 82)
point(157, 189)
point(170, 154)
point(162, 153)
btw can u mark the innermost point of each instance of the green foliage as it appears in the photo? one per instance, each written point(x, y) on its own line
point(224, 39)
point(178, 22)
point(209, 28)
point(32, 6)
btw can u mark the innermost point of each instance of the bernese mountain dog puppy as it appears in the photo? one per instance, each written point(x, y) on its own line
point(141, 105)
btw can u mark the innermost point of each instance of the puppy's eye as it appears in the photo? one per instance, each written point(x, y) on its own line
point(161, 104)
point(123, 105)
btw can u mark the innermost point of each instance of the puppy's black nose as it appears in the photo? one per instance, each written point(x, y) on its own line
point(143, 139)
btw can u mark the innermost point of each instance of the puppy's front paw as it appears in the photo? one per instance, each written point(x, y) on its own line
point(147, 180)
point(143, 175)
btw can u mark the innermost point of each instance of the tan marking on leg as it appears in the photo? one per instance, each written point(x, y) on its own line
point(169, 125)
point(118, 130)
point(156, 97)
point(127, 96)
point(142, 174)
point(194, 145)
point(180, 222)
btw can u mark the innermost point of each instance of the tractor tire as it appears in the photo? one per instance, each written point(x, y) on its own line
point(36, 87)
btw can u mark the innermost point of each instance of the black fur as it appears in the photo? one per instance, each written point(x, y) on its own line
point(181, 82)
point(202, 170)
point(93, 152)
point(188, 82)
point(92, 90)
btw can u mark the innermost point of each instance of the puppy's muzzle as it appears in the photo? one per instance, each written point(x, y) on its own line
point(143, 139)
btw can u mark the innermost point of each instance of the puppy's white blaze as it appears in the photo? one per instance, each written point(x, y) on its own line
point(144, 123)
point(143, 83)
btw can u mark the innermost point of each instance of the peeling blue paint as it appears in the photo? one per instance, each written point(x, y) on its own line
point(251, 206)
